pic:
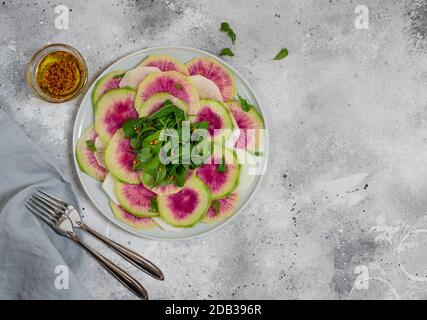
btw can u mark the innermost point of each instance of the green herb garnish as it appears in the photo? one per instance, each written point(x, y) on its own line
point(221, 166)
point(118, 76)
point(245, 105)
point(258, 153)
point(90, 145)
point(153, 204)
point(215, 204)
point(225, 27)
point(283, 53)
point(161, 161)
point(226, 52)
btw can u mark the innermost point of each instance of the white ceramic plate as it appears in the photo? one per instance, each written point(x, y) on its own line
point(84, 119)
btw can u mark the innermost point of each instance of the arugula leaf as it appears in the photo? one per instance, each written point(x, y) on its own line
point(130, 128)
point(90, 145)
point(136, 142)
point(146, 140)
point(180, 173)
point(147, 179)
point(144, 155)
point(150, 167)
point(246, 106)
point(161, 174)
point(283, 53)
point(221, 166)
point(215, 204)
point(121, 75)
point(226, 52)
point(225, 27)
point(151, 140)
point(153, 204)
point(200, 125)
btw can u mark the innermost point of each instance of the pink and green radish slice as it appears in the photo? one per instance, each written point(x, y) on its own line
point(112, 110)
point(221, 184)
point(220, 121)
point(133, 77)
point(119, 158)
point(86, 158)
point(138, 223)
point(216, 72)
point(251, 126)
point(110, 81)
point(135, 198)
point(188, 206)
point(165, 63)
point(207, 88)
point(155, 102)
point(224, 208)
point(171, 188)
point(171, 82)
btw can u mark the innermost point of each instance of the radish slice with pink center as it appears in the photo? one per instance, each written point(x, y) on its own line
point(107, 82)
point(220, 183)
point(251, 127)
point(112, 110)
point(135, 198)
point(185, 208)
point(138, 223)
point(86, 158)
point(224, 208)
point(216, 114)
point(216, 72)
point(119, 158)
point(165, 63)
point(171, 82)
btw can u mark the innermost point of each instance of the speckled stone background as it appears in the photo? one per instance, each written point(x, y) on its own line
point(341, 212)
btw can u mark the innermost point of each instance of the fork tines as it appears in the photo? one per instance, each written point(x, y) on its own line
point(46, 207)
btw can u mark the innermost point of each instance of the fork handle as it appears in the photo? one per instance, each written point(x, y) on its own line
point(136, 259)
point(125, 278)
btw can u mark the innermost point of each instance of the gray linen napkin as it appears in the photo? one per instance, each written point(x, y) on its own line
point(34, 260)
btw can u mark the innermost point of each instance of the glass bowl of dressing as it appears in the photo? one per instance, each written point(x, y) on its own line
point(57, 73)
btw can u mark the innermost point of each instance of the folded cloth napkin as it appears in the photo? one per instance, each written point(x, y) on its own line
point(35, 262)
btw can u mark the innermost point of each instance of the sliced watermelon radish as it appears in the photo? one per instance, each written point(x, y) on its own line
point(112, 110)
point(223, 208)
point(185, 208)
point(99, 156)
point(166, 226)
point(110, 81)
point(135, 198)
point(220, 121)
point(108, 187)
point(155, 102)
point(99, 144)
point(119, 158)
point(171, 188)
point(165, 63)
point(86, 158)
point(133, 77)
point(207, 88)
point(138, 223)
point(216, 72)
point(220, 183)
point(250, 124)
point(171, 82)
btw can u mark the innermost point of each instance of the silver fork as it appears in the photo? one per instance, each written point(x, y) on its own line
point(61, 207)
point(63, 226)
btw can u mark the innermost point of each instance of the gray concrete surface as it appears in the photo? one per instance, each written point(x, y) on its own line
point(344, 198)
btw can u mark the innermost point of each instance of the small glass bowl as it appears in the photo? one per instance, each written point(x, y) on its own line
point(39, 56)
